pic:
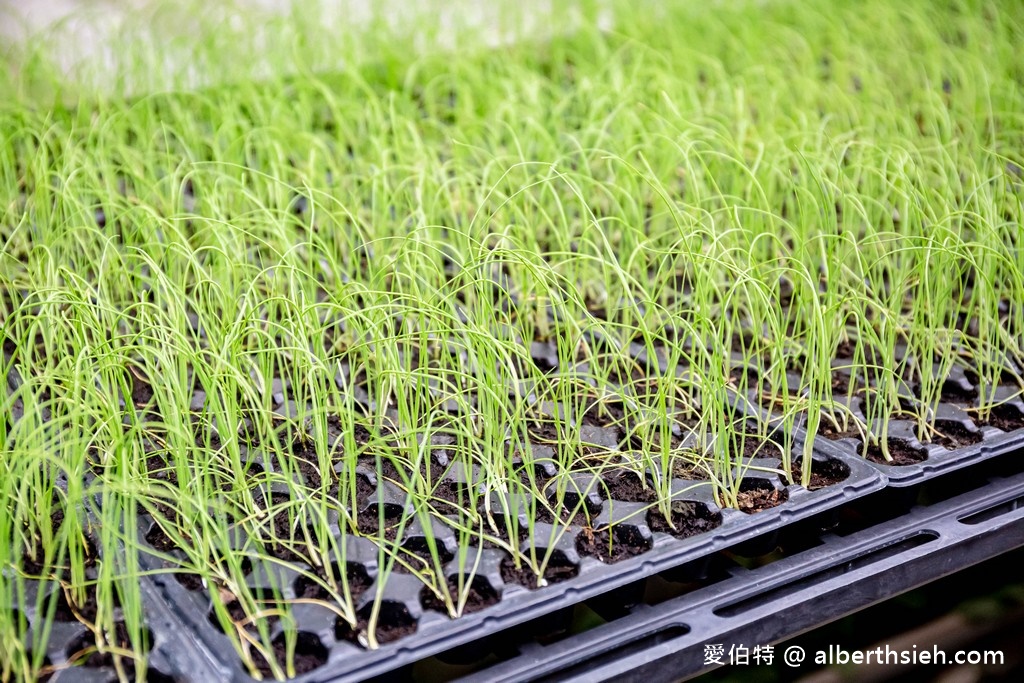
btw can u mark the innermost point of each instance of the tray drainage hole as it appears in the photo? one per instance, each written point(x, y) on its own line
point(623, 542)
point(689, 518)
point(840, 569)
point(558, 569)
point(83, 649)
point(309, 654)
point(756, 495)
point(478, 592)
point(901, 451)
point(615, 654)
point(393, 622)
point(993, 512)
point(357, 580)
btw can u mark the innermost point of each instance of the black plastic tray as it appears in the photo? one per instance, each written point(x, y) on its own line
point(666, 642)
point(940, 460)
point(436, 633)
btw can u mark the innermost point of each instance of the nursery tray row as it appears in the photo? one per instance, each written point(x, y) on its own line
point(961, 439)
point(427, 631)
point(187, 644)
point(836, 577)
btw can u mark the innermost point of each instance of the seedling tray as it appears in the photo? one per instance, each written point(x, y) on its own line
point(957, 452)
point(436, 632)
point(666, 642)
point(961, 439)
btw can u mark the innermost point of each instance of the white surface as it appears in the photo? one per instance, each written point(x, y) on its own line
point(83, 37)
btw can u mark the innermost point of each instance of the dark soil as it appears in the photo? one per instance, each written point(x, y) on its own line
point(1006, 377)
point(557, 570)
point(823, 474)
point(743, 376)
point(241, 618)
point(86, 642)
point(417, 554)
point(832, 434)
point(755, 447)
point(364, 488)
point(953, 435)
point(158, 468)
point(503, 525)
point(688, 519)
point(652, 441)
point(355, 574)
point(953, 392)
point(758, 497)
point(543, 515)
point(389, 469)
point(335, 432)
point(38, 566)
point(481, 594)
point(393, 622)
point(843, 381)
point(450, 498)
point(158, 538)
point(82, 611)
point(543, 432)
point(191, 582)
point(901, 452)
point(690, 472)
point(627, 542)
point(142, 392)
point(309, 654)
point(282, 542)
point(369, 522)
point(845, 349)
point(305, 461)
point(542, 471)
point(606, 415)
point(626, 486)
point(1005, 417)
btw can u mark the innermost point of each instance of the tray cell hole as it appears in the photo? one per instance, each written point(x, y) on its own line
point(243, 619)
point(82, 650)
point(558, 569)
point(952, 435)
point(357, 577)
point(1006, 417)
point(480, 594)
point(418, 546)
point(689, 518)
point(757, 494)
point(309, 654)
point(393, 622)
point(613, 545)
